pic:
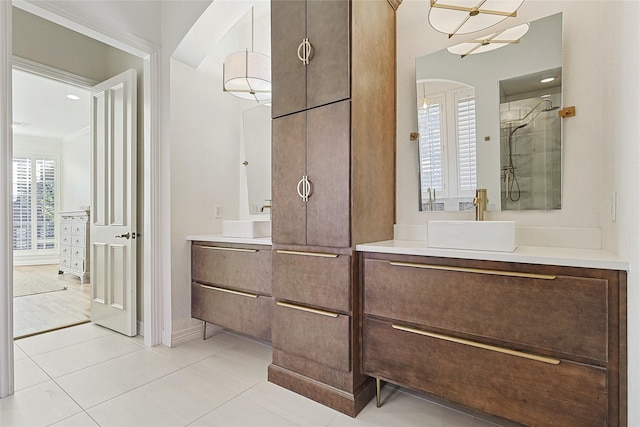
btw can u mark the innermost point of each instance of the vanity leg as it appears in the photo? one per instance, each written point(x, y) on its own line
point(378, 392)
point(204, 330)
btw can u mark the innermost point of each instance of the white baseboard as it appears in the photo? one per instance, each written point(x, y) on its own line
point(191, 333)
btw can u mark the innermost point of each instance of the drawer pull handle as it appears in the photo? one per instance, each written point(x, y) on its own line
point(537, 358)
point(474, 270)
point(229, 291)
point(220, 248)
point(316, 254)
point(307, 309)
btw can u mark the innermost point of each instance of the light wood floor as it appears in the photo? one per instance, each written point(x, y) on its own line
point(42, 312)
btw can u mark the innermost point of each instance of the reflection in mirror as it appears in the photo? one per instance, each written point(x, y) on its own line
point(530, 147)
point(537, 51)
point(257, 150)
point(446, 124)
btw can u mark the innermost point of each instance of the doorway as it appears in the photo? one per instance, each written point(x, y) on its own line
point(149, 54)
point(51, 175)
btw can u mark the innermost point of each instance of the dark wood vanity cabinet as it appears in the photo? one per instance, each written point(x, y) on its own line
point(333, 186)
point(536, 344)
point(323, 27)
point(231, 287)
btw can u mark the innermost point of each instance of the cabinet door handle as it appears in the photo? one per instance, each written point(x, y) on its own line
point(305, 51)
point(220, 248)
point(307, 309)
point(473, 270)
point(301, 253)
point(543, 359)
point(304, 188)
point(229, 291)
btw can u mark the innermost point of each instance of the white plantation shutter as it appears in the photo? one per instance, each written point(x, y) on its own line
point(466, 138)
point(34, 203)
point(21, 203)
point(431, 129)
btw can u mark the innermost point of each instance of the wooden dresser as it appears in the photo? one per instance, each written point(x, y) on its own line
point(537, 344)
point(74, 243)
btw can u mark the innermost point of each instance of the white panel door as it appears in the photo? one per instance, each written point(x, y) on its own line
point(113, 208)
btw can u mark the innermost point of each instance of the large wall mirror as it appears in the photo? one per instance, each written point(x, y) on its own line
point(489, 119)
point(257, 151)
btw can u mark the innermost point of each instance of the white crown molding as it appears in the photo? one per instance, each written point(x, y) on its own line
point(52, 73)
point(76, 134)
point(65, 14)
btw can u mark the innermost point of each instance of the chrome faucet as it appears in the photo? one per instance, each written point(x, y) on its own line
point(480, 202)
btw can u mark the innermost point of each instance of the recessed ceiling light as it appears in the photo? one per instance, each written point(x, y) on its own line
point(547, 80)
point(73, 97)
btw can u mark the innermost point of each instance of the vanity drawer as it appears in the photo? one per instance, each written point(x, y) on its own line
point(315, 335)
point(313, 278)
point(561, 314)
point(234, 267)
point(248, 314)
point(527, 391)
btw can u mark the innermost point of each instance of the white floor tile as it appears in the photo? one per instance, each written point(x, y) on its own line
point(18, 354)
point(201, 349)
point(27, 374)
point(241, 412)
point(177, 399)
point(290, 405)
point(40, 405)
point(79, 356)
point(404, 410)
point(78, 420)
point(62, 338)
point(116, 376)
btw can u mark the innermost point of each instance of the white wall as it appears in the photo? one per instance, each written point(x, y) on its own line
point(600, 144)
point(76, 172)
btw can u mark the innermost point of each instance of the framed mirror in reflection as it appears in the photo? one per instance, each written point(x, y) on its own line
point(257, 152)
point(468, 105)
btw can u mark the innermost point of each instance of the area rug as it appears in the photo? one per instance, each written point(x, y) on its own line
point(29, 282)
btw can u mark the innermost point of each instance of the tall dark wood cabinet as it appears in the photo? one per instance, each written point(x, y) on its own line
point(333, 173)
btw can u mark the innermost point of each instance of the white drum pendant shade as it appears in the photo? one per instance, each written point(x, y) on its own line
point(247, 75)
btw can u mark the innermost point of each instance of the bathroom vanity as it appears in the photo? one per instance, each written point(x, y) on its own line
point(231, 284)
point(532, 338)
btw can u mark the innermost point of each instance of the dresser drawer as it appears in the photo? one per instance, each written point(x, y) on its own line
point(527, 391)
point(65, 251)
point(249, 314)
point(319, 336)
point(65, 261)
point(66, 239)
point(238, 268)
point(65, 227)
point(560, 313)
point(77, 264)
point(78, 241)
point(78, 229)
point(78, 252)
point(313, 278)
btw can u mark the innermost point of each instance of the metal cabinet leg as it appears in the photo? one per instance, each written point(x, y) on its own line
point(204, 330)
point(378, 404)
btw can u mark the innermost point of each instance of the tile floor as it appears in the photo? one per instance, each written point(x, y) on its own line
point(90, 376)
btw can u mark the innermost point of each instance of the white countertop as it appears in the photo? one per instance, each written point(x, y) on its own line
point(215, 238)
point(570, 257)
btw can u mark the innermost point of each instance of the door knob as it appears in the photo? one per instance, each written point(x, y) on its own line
point(128, 236)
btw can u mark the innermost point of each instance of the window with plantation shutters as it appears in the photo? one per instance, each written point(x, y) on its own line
point(447, 129)
point(466, 142)
point(430, 113)
point(34, 203)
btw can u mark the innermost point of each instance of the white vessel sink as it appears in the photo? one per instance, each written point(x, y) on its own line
point(246, 228)
point(472, 235)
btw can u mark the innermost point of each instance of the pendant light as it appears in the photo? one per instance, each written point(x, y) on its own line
point(467, 16)
point(247, 74)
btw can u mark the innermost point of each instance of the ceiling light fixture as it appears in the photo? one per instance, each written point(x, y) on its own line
point(468, 16)
point(73, 97)
point(247, 74)
point(547, 80)
point(491, 42)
